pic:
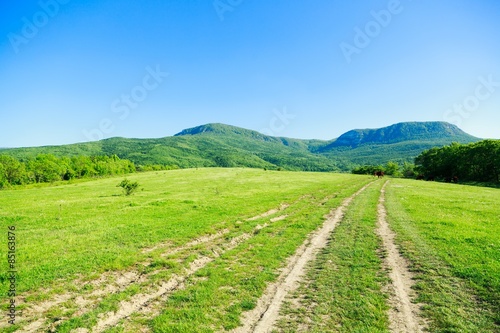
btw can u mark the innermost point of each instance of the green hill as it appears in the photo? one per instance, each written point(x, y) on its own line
point(399, 142)
point(230, 146)
point(409, 131)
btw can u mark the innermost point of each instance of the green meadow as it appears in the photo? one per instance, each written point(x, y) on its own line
point(451, 235)
point(226, 233)
point(343, 286)
point(87, 228)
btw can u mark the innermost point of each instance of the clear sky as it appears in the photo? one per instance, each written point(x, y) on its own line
point(75, 70)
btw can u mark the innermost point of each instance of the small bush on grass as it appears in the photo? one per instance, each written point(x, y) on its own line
point(128, 186)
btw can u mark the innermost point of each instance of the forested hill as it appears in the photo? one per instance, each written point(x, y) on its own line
point(222, 129)
point(399, 142)
point(409, 131)
point(230, 146)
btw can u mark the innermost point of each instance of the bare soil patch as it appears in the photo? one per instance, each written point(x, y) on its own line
point(142, 302)
point(270, 212)
point(404, 316)
point(35, 315)
point(265, 314)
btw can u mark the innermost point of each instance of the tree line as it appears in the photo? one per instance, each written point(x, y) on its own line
point(479, 161)
point(474, 162)
point(47, 168)
point(406, 170)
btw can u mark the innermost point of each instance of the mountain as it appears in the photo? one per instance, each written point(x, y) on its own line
point(399, 142)
point(224, 130)
point(230, 146)
point(409, 131)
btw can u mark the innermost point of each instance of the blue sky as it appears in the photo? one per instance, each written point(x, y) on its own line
point(75, 71)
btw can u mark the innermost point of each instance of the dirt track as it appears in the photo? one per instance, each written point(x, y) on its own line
point(265, 314)
point(403, 315)
point(34, 317)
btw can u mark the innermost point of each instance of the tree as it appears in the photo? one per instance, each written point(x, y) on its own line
point(128, 186)
point(3, 180)
point(46, 168)
point(83, 167)
point(14, 171)
point(367, 169)
point(223, 161)
point(409, 170)
point(392, 169)
point(479, 161)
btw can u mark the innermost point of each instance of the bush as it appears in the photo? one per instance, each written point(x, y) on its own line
point(367, 169)
point(128, 186)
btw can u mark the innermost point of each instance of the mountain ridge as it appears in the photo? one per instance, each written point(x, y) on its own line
point(217, 144)
point(404, 131)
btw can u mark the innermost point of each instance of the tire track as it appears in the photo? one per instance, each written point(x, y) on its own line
point(200, 240)
point(268, 213)
point(108, 283)
point(153, 308)
point(265, 314)
point(404, 316)
point(141, 301)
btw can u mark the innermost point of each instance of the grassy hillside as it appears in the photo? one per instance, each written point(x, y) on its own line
point(450, 234)
point(88, 257)
point(399, 142)
point(229, 146)
point(408, 131)
point(96, 211)
point(72, 238)
point(375, 154)
point(205, 146)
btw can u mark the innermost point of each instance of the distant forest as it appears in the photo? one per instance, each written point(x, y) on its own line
point(47, 168)
point(477, 162)
point(473, 162)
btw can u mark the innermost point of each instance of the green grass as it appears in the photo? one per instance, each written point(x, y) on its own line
point(451, 234)
point(237, 279)
point(342, 291)
point(72, 233)
point(78, 231)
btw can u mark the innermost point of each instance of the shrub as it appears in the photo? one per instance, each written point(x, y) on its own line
point(128, 186)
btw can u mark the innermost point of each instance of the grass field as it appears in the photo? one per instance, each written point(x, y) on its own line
point(194, 250)
point(70, 234)
point(343, 287)
point(451, 234)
